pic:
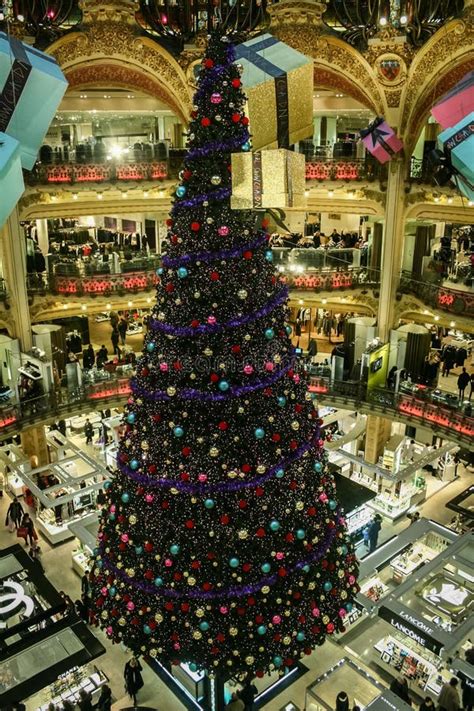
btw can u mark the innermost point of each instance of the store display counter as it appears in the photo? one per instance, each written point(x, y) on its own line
point(15, 485)
point(53, 532)
point(446, 594)
point(68, 686)
point(374, 589)
point(410, 560)
point(193, 681)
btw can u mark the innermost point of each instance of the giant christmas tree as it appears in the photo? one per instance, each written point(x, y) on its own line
point(222, 543)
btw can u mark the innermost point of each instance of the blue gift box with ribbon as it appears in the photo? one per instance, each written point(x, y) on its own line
point(278, 82)
point(464, 186)
point(11, 175)
point(31, 88)
point(457, 143)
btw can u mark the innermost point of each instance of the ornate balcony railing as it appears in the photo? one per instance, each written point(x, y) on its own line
point(456, 301)
point(333, 169)
point(109, 172)
point(449, 422)
point(94, 285)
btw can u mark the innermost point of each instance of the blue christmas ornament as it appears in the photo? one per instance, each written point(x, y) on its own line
point(269, 333)
point(99, 563)
point(147, 629)
point(306, 568)
point(159, 271)
point(317, 466)
point(193, 667)
point(327, 586)
point(300, 534)
point(223, 386)
point(269, 255)
point(281, 401)
point(349, 606)
point(158, 582)
point(300, 636)
point(182, 272)
point(274, 525)
point(234, 562)
point(277, 661)
point(131, 417)
point(111, 517)
point(178, 431)
point(259, 433)
point(246, 146)
point(204, 626)
point(125, 497)
point(112, 591)
point(134, 464)
point(138, 550)
point(150, 346)
point(344, 549)
point(180, 191)
point(174, 549)
point(288, 330)
point(209, 503)
point(261, 629)
point(332, 504)
point(96, 551)
point(107, 485)
point(266, 567)
point(280, 473)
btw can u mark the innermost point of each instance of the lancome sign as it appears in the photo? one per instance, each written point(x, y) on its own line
point(413, 628)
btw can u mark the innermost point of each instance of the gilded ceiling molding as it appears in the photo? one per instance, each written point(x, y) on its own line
point(300, 25)
point(436, 67)
point(113, 52)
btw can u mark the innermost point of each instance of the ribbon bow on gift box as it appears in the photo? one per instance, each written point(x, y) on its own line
point(377, 134)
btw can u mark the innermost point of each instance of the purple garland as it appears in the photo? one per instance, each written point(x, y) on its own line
point(207, 257)
point(237, 591)
point(220, 194)
point(223, 486)
point(194, 394)
point(222, 146)
point(280, 297)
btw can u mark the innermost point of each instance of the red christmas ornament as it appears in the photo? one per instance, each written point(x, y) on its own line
point(243, 504)
point(207, 586)
point(236, 83)
point(195, 564)
point(246, 468)
point(169, 222)
point(205, 121)
point(148, 547)
point(236, 118)
point(187, 174)
point(276, 437)
point(165, 504)
point(235, 350)
point(215, 276)
point(169, 606)
point(225, 518)
point(259, 673)
point(248, 254)
point(145, 372)
point(185, 607)
point(246, 567)
point(311, 511)
point(194, 323)
point(208, 63)
point(189, 524)
point(169, 287)
point(259, 491)
point(195, 226)
point(251, 601)
point(177, 365)
point(186, 451)
point(223, 426)
point(244, 121)
point(260, 532)
point(214, 378)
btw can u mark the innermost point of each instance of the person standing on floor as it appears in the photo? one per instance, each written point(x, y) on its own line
point(427, 704)
point(471, 381)
point(374, 530)
point(448, 699)
point(89, 432)
point(122, 329)
point(399, 687)
point(115, 341)
point(248, 694)
point(104, 702)
point(30, 534)
point(463, 381)
point(235, 703)
point(14, 514)
point(342, 701)
point(133, 678)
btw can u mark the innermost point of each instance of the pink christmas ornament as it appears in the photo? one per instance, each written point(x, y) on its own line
point(216, 98)
point(148, 498)
point(104, 591)
point(269, 366)
point(315, 612)
point(168, 563)
point(164, 367)
point(212, 320)
point(224, 610)
point(177, 646)
point(223, 231)
point(124, 537)
point(296, 378)
point(113, 508)
point(202, 478)
point(109, 630)
point(342, 613)
point(280, 555)
point(352, 579)
point(276, 619)
point(130, 606)
point(323, 498)
point(248, 369)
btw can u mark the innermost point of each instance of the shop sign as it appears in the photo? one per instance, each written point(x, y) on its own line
point(412, 627)
point(12, 598)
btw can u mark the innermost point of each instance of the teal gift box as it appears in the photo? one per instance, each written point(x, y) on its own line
point(31, 88)
point(11, 176)
point(457, 143)
point(465, 187)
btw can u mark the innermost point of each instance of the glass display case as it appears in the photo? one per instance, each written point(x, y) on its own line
point(416, 555)
point(68, 686)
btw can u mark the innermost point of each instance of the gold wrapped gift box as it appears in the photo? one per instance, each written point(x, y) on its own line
point(272, 178)
point(278, 83)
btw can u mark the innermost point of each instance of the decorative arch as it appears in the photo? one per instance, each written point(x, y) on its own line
point(111, 53)
point(436, 68)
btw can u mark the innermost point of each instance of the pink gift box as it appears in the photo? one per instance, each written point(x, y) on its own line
point(457, 103)
point(381, 140)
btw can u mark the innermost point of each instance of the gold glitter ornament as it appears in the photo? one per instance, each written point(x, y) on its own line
point(325, 619)
point(295, 425)
point(197, 634)
point(191, 581)
point(132, 519)
point(243, 534)
point(260, 469)
point(171, 391)
point(299, 505)
point(249, 660)
point(265, 589)
point(199, 612)
point(214, 452)
point(122, 621)
point(233, 631)
point(159, 618)
point(153, 653)
point(286, 641)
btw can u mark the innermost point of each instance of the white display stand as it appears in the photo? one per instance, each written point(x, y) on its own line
point(80, 562)
point(53, 532)
point(15, 485)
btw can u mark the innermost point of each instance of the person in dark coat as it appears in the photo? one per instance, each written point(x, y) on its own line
point(88, 357)
point(104, 702)
point(374, 530)
point(14, 514)
point(248, 694)
point(342, 701)
point(399, 687)
point(115, 341)
point(122, 329)
point(463, 381)
point(102, 356)
point(89, 432)
point(427, 704)
point(133, 678)
point(31, 536)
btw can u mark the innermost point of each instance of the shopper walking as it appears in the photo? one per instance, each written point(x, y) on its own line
point(104, 702)
point(133, 678)
point(448, 699)
point(89, 432)
point(122, 329)
point(471, 379)
point(427, 704)
point(85, 701)
point(342, 701)
point(14, 514)
point(88, 358)
point(115, 341)
point(102, 356)
point(463, 381)
point(27, 530)
point(248, 694)
point(399, 687)
point(374, 530)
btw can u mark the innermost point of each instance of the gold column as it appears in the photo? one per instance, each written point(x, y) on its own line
point(34, 444)
point(392, 247)
point(376, 435)
point(14, 268)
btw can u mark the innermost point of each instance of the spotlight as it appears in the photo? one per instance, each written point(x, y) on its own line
point(383, 21)
point(403, 19)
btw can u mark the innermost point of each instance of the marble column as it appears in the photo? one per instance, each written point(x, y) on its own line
point(14, 267)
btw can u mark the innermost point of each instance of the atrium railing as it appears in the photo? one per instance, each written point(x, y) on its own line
point(452, 423)
point(333, 169)
point(93, 285)
point(456, 301)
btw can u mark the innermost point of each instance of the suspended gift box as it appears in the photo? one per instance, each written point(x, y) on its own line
point(457, 143)
point(31, 88)
point(464, 186)
point(457, 103)
point(11, 175)
point(271, 178)
point(381, 140)
point(278, 82)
